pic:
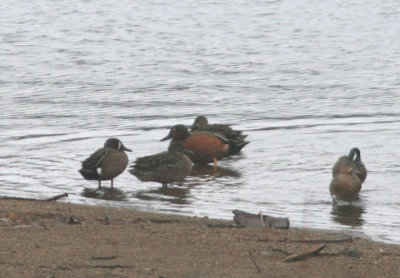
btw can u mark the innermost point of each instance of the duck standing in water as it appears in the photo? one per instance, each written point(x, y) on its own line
point(106, 163)
point(166, 167)
point(235, 138)
point(206, 147)
point(346, 184)
point(358, 164)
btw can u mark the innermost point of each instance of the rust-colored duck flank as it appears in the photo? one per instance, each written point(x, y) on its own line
point(235, 138)
point(165, 167)
point(206, 146)
point(106, 163)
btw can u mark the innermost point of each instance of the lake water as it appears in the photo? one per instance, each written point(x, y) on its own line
point(306, 80)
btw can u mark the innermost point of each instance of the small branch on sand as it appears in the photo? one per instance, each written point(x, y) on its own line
point(59, 196)
point(301, 256)
point(282, 251)
point(55, 198)
point(345, 252)
point(72, 220)
point(254, 262)
point(103, 257)
point(389, 254)
point(110, 266)
point(346, 239)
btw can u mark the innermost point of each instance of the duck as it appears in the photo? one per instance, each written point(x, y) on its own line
point(359, 165)
point(206, 147)
point(235, 137)
point(106, 163)
point(346, 184)
point(165, 167)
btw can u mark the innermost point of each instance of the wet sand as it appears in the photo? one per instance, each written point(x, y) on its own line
point(55, 239)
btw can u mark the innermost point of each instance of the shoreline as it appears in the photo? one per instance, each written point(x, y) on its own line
point(57, 239)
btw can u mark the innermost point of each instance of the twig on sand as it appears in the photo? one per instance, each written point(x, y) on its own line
point(59, 196)
point(389, 254)
point(344, 252)
point(103, 257)
point(110, 266)
point(55, 198)
point(282, 251)
point(339, 240)
point(300, 256)
point(254, 262)
point(346, 239)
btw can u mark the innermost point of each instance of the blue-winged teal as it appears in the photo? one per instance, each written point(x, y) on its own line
point(206, 147)
point(358, 164)
point(166, 167)
point(345, 185)
point(106, 163)
point(235, 137)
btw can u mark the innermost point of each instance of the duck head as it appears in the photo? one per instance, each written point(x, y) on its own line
point(116, 144)
point(177, 132)
point(200, 123)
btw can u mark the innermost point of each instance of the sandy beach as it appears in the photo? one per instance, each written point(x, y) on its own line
point(57, 239)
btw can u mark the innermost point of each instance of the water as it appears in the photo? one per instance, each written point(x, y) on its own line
point(306, 80)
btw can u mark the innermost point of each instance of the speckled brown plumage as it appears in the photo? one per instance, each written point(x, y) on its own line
point(106, 163)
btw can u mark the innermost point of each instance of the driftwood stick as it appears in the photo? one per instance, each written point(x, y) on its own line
point(33, 199)
point(349, 253)
point(300, 256)
point(339, 240)
point(389, 254)
point(55, 198)
point(110, 266)
point(103, 257)
point(254, 262)
point(282, 251)
point(346, 239)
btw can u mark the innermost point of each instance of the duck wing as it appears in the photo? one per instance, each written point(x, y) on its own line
point(96, 159)
point(152, 161)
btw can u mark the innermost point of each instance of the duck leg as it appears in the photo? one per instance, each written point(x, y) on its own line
point(112, 183)
point(215, 164)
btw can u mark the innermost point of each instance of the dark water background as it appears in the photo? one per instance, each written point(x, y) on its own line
point(307, 80)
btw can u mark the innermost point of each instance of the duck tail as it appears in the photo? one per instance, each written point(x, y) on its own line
point(89, 174)
point(236, 147)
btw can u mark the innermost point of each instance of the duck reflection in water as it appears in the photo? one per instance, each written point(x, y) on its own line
point(200, 170)
point(349, 215)
point(110, 194)
point(180, 192)
point(173, 195)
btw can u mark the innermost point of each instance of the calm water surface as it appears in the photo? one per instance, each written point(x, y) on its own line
point(307, 80)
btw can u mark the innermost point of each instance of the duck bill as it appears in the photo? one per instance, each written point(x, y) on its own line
point(126, 149)
point(166, 137)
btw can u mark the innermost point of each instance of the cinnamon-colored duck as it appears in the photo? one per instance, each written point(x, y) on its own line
point(206, 147)
point(235, 138)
